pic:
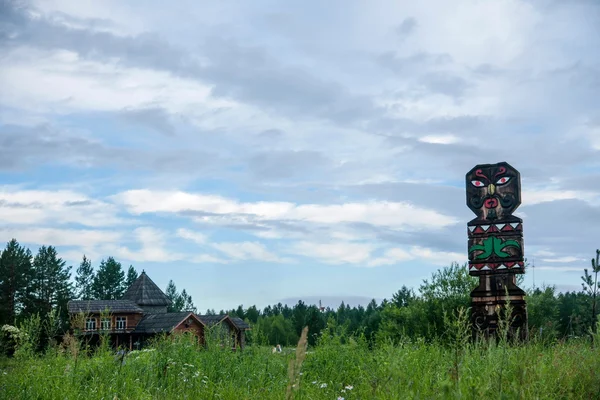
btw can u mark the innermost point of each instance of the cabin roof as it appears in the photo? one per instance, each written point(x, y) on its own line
point(239, 323)
point(155, 323)
point(210, 320)
point(98, 306)
point(144, 292)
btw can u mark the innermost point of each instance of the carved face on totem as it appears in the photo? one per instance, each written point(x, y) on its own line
point(493, 191)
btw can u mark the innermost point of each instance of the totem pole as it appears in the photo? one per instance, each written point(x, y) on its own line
point(496, 247)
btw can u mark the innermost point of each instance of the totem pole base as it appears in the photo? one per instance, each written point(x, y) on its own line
point(489, 305)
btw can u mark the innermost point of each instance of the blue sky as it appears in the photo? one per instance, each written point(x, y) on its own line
point(260, 151)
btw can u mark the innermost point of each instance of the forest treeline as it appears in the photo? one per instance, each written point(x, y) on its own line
point(36, 285)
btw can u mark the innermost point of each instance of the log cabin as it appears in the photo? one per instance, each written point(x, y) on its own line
point(142, 313)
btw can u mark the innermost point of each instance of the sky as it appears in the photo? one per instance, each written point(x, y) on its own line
point(266, 151)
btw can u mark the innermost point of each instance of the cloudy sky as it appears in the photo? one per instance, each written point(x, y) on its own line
point(255, 151)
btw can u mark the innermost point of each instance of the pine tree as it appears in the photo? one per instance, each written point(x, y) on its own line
point(84, 280)
point(179, 301)
point(15, 272)
point(109, 282)
point(172, 294)
point(591, 285)
point(132, 275)
point(188, 303)
point(51, 286)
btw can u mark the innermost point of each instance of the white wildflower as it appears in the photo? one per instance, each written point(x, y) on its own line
point(323, 385)
point(349, 387)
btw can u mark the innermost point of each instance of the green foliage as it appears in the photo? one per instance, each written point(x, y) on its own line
point(31, 330)
point(403, 297)
point(451, 283)
point(275, 330)
point(179, 301)
point(15, 275)
point(176, 367)
point(132, 275)
point(84, 280)
point(50, 284)
point(109, 282)
point(543, 313)
point(591, 285)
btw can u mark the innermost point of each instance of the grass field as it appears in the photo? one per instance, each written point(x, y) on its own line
point(177, 369)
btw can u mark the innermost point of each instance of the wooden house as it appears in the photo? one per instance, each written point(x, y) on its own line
point(142, 313)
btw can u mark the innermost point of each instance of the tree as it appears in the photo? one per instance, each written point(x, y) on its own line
point(448, 290)
point(252, 314)
point(109, 282)
point(132, 275)
point(591, 286)
point(171, 292)
point(188, 304)
point(179, 301)
point(299, 313)
point(84, 280)
point(51, 286)
point(449, 283)
point(240, 312)
point(15, 271)
point(574, 313)
point(315, 322)
point(543, 312)
point(403, 297)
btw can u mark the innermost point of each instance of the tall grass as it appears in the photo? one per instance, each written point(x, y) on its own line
point(177, 368)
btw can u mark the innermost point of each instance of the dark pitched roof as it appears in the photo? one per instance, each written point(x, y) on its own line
point(144, 292)
point(210, 320)
point(155, 323)
point(239, 323)
point(98, 306)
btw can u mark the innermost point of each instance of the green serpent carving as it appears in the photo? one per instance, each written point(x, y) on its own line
point(493, 245)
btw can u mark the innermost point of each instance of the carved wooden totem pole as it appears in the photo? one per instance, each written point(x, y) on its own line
point(496, 247)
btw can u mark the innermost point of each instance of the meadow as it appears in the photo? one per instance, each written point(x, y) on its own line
point(176, 368)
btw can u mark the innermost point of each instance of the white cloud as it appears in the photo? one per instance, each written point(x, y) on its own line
point(361, 254)
point(334, 252)
point(383, 213)
point(439, 139)
point(59, 207)
point(437, 257)
point(193, 236)
point(391, 256)
point(536, 196)
point(247, 251)
point(83, 238)
point(95, 244)
point(39, 80)
point(555, 268)
point(562, 260)
point(208, 259)
point(152, 247)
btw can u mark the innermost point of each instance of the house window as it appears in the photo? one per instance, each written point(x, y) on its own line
point(105, 324)
point(90, 324)
point(122, 323)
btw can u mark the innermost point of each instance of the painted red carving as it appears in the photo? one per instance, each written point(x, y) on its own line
point(491, 203)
